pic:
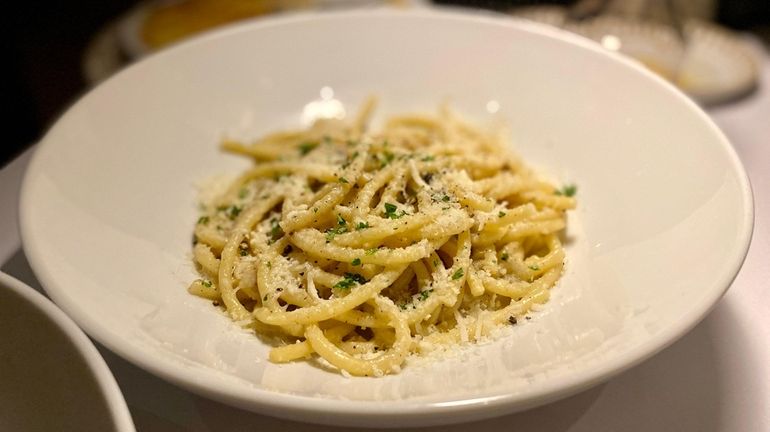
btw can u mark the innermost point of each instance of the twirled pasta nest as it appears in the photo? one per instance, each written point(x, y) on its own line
point(365, 247)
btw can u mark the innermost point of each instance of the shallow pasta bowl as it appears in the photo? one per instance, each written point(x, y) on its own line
point(662, 226)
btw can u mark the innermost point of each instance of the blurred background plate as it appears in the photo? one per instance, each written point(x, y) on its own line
point(711, 64)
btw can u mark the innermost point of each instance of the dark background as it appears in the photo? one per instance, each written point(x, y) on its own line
point(46, 40)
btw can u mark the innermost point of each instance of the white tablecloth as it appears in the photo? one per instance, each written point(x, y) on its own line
point(716, 378)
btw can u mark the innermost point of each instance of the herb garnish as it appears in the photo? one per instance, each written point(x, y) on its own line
point(203, 220)
point(390, 211)
point(331, 232)
point(307, 147)
point(386, 158)
point(233, 211)
point(276, 231)
point(340, 229)
point(458, 274)
point(356, 262)
point(349, 280)
point(362, 225)
point(568, 190)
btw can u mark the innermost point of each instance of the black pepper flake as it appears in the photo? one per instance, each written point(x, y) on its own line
point(512, 320)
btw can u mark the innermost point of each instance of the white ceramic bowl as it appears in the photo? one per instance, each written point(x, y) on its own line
point(51, 375)
point(662, 227)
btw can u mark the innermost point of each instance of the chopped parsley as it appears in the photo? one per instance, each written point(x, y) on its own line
point(203, 220)
point(501, 214)
point(504, 256)
point(445, 198)
point(390, 211)
point(386, 158)
point(371, 251)
point(534, 267)
point(425, 294)
point(568, 190)
point(206, 283)
point(458, 274)
point(349, 159)
point(343, 180)
point(340, 229)
point(233, 211)
point(349, 280)
point(276, 231)
point(428, 158)
point(242, 193)
point(362, 225)
point(307, 146)
point(356, 262)
point(332, 232)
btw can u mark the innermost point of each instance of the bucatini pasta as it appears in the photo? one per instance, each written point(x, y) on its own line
point(363, 247)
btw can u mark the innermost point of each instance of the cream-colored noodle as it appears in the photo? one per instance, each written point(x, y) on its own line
point(356, 245)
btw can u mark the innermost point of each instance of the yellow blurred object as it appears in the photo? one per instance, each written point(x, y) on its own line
point(168, 23)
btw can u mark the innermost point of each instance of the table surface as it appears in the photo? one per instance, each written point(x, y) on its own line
point(716, 378)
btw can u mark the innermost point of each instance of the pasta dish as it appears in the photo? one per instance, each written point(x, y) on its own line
point(362, 247)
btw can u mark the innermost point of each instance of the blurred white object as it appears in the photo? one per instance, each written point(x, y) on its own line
point(52, 378)
point(713, 66)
